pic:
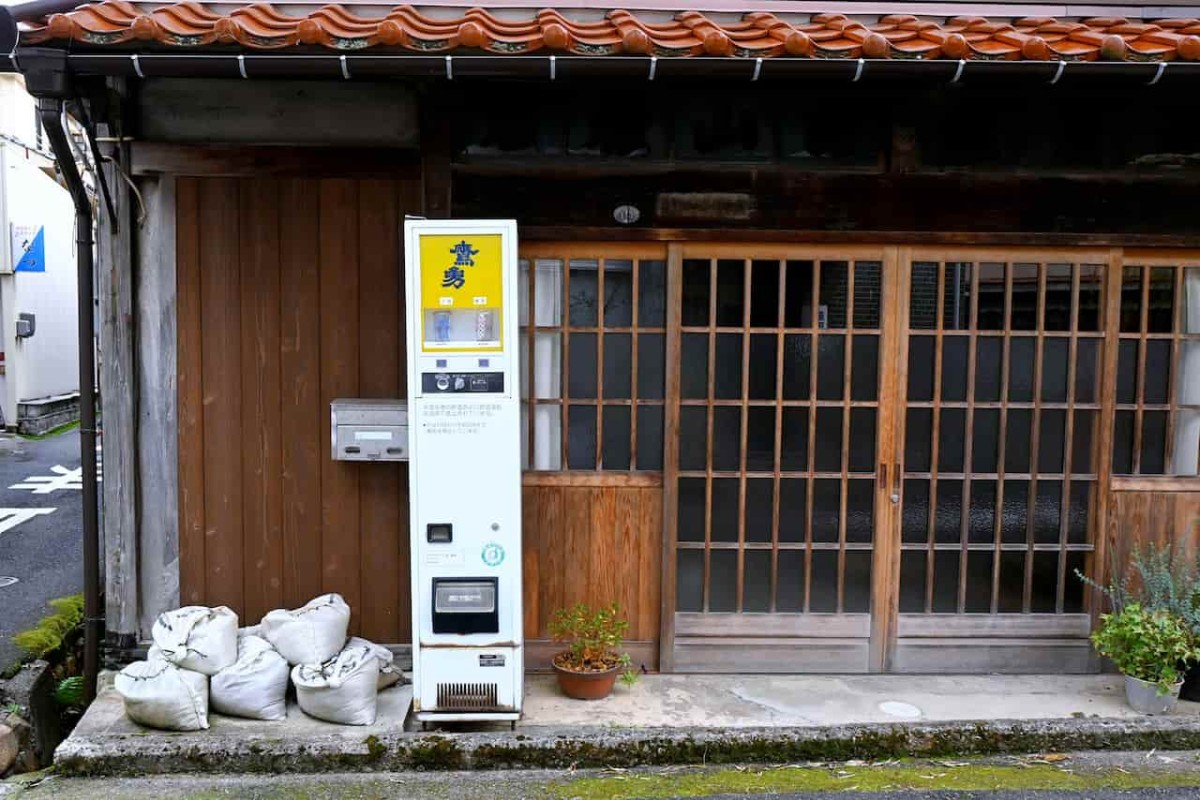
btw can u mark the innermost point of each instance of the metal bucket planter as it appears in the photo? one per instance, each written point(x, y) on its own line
point(1144, 698)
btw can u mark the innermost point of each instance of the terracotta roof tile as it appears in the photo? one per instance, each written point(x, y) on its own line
point(260, 26)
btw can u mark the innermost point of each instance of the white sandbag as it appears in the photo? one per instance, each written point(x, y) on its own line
point(389, 673)
point(159, 694)
point(343, 689)
point(254, 686)
point(250, 630)
point(311, 634)
point(198, 638)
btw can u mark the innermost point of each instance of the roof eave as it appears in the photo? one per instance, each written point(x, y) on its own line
point(259, 66)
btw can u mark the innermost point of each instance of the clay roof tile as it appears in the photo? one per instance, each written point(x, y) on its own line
point(263, 26)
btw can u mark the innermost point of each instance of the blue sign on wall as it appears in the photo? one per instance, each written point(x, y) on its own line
point(33, 259)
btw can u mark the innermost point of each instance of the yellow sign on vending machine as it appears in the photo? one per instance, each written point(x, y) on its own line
point(462, 292)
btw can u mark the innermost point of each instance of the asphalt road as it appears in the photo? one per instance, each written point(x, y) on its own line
point(42, 549)
point(500, 785)
point(1183, 793)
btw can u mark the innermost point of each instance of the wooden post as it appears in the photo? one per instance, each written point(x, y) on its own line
point(156, 435)
point(1102, 454)
point(666, 635)
point(893, 360)
point(117, 388)
point(435, 157)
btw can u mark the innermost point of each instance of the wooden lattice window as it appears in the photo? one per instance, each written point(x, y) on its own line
point(1156, 430)
point(593, 353)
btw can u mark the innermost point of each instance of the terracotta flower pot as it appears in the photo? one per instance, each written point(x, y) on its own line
point(587, 685)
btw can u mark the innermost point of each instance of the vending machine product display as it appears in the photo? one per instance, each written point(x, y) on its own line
point(465, 480)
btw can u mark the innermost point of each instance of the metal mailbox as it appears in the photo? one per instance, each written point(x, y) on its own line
point(369, 430)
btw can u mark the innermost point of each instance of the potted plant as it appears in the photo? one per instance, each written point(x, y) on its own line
point(593, 660)
point(1152, 649)
point(1159, 578)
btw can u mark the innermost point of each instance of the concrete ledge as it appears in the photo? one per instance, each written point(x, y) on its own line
point(560, 748)
point(662, 720)
point(106, 743)
point(35, 417)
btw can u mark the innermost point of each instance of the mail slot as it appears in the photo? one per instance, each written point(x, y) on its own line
point(369, 430)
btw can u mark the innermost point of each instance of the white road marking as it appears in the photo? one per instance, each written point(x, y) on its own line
point(12, 517)
point(7, 580)
point(62, 478)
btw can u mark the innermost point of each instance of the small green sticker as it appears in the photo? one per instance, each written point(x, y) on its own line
point(493, 554)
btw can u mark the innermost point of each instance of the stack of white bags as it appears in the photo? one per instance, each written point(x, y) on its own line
point(200, 659)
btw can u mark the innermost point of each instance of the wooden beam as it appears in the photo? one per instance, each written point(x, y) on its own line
point(594, 233)
point(767, 198)
point(318, 112)
point(157, 439)
point(1153, 483)
point(611, 478)
point(227, 160)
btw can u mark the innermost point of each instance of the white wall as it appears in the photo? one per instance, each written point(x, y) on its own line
point(47, 363)
point(18, 119)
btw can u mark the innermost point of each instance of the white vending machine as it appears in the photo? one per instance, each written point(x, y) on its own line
point(465, 480)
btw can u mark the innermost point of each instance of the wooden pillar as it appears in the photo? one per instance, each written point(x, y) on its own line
point(118, 385)
point(156, 434)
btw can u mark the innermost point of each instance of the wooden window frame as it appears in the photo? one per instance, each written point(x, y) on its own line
point(1146, 261)
point(602, 253)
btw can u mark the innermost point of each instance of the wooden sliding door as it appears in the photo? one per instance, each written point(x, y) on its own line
point(890, 459)
point(1002, 459)
point(776, 491)
point(899, 459)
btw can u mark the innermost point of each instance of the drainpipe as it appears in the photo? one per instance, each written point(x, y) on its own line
point(50, 111)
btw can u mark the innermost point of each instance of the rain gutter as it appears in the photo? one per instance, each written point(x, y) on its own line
point(50, 83)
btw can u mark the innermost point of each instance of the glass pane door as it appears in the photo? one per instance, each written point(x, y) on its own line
point(777, 418)
point(1004, 359)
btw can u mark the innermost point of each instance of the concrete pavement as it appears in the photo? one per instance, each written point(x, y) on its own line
point(40, 541)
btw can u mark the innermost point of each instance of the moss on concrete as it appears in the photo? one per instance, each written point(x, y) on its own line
point(50, 434)
point(932, 776)
point(432, 752)
point(375, 748)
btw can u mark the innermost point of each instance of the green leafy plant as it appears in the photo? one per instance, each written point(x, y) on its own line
point(51, 631)
point(1158, 577)
point(13, 709)
point(1150, 645)
point(593, 638)
point(68, 693)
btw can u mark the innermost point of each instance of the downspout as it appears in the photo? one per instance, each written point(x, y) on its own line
point(50, 110)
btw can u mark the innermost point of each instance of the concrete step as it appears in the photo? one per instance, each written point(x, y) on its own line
point(664, 719)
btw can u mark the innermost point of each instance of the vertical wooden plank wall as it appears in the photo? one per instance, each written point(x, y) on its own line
point(289, 296)
point(596, 539)
point(1153, 511)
